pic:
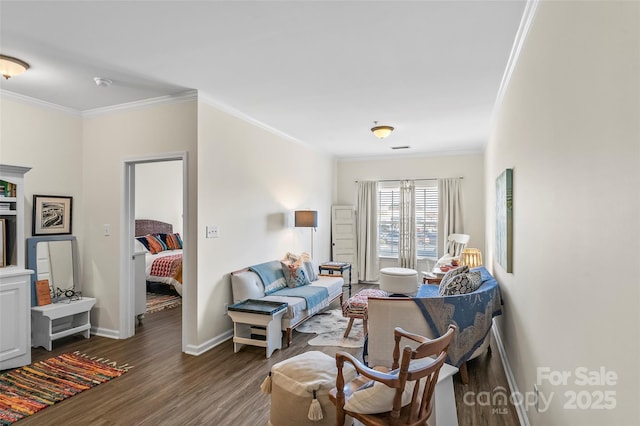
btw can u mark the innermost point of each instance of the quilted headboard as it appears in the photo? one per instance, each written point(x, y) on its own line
point(150, 226)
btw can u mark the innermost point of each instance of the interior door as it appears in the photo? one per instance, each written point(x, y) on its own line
point(343, 237)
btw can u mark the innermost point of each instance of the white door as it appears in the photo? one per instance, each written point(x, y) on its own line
point(343, 237)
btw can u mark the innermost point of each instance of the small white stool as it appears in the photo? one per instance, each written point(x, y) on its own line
point(399, 280)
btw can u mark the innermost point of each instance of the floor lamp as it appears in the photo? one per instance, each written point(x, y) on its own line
point(307, 219)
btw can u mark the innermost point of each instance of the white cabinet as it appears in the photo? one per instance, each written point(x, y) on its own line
point(60, 319)
point(15, 280)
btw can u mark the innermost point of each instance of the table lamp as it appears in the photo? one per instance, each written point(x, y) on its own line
point(472, 257)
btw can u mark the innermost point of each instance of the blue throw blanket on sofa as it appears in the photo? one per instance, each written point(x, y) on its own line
point(314, 295)
point(472, 313)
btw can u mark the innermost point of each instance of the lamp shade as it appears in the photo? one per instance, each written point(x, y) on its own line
point(472, 257)
point(306, 219)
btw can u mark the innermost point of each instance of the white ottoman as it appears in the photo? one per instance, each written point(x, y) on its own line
point(293, 382)
point(399, 280)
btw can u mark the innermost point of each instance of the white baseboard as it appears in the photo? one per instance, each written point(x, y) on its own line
point(520, 409)
point(105, 332)
point(209, 344)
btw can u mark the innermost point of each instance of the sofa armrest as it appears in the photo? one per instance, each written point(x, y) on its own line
point(245, 285)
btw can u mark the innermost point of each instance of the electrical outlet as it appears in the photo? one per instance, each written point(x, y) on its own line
point(226, 308)
point(212, 232)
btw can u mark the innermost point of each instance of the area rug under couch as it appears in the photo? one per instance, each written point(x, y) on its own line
point(29, 389)
point(329, 328)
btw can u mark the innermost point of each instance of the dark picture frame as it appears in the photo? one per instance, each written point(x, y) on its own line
point(3, 243)
point(51, 215)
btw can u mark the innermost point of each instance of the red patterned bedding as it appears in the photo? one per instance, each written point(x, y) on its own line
point(168, 266)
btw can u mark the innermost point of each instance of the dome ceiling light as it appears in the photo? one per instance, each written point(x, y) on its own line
point(11, 67)
point(381, 131)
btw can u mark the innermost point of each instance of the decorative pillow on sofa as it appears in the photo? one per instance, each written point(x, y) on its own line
point(453, 272)
point(464, 283)
point(294, 275)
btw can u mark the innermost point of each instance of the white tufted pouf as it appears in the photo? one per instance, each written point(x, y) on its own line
point(293, 382)
point(399, 280)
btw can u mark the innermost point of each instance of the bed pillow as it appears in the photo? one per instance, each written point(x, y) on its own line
point(294, 275)
point(464, 283)
point(155, 244)
point(171, 241)
point(139, 246)
point(144, 242)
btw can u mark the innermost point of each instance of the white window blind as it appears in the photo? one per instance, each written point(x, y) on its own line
point(426, 199)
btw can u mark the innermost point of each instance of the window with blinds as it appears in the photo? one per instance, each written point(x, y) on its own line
point(426, 199)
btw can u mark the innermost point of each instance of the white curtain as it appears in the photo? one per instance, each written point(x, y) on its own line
point(450, 210)
point(407, 239)
point(367, 226)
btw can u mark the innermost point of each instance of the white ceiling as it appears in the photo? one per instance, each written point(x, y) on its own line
point(320, 72)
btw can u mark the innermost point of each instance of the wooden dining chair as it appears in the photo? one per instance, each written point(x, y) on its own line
point(402, 396)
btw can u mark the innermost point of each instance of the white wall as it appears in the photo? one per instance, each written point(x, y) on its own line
point(248, 180)
point(50, 141)
point(109, 140)
point(159, 192)
point(569, 128)
point(470, 167)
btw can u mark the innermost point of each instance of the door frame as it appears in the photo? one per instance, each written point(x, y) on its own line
point(127, 219)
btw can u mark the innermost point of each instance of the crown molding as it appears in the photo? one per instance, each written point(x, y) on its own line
point(37, 102)
point(405, 155)
point(523, 30)
point(206, 99)
point(145, 103)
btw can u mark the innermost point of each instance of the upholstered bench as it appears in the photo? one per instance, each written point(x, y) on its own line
point(356, 307)
point(299, 388)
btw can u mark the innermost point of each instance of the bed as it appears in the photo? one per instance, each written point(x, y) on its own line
point(163, 258)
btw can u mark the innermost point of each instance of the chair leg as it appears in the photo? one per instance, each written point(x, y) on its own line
point(464, 374)
point(348, 330)
point(289, 337)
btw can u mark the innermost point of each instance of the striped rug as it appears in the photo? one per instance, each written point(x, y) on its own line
point(29, 389)
point(157, 302)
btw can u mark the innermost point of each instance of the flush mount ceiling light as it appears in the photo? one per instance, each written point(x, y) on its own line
point(381, 131)
point(10, 67)
point(102, 82)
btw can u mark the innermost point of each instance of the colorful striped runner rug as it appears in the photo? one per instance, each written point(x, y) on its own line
point(157, 302)
point(29, 389)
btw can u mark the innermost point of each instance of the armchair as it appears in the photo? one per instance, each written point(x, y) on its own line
point(380, 397)
point(456, 243)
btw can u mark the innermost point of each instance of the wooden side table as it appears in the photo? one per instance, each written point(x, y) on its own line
point(257, 323)
point(340, 267)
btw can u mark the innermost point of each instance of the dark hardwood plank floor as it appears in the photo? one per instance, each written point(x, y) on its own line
point(167, 387)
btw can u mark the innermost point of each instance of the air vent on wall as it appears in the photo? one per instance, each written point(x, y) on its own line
point(401, 147)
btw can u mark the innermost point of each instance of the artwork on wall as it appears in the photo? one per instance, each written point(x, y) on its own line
point(504, 220)
point(51, 215)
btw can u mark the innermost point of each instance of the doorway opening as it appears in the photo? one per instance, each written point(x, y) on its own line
point(163, 197)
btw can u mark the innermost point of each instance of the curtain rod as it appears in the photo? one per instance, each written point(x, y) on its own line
point(398, 180)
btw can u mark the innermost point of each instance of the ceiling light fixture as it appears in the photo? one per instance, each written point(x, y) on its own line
point(102, 82)
point(381, 131)
point(10, 67)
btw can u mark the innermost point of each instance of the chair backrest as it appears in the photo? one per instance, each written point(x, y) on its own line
point(456, 243)
point(415, 367)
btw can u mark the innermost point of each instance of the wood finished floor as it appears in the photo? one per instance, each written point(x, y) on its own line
point(167, 387)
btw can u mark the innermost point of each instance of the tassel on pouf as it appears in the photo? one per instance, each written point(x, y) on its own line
point(265, 387)
point(315, 410)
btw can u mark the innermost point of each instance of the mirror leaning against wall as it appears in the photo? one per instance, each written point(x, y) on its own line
point(53, 258)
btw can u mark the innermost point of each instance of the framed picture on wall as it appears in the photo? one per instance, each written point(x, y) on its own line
point(504, 220)
point(3, 243)
point(51, 215)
